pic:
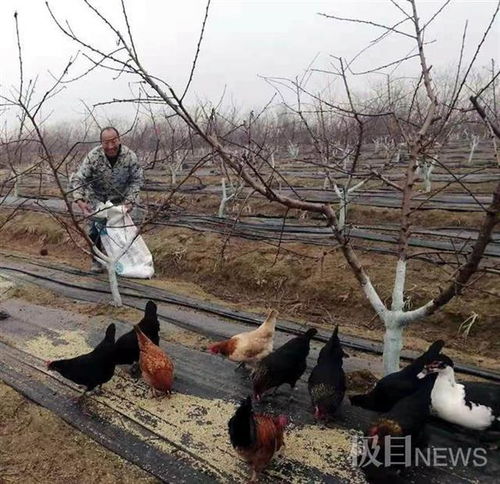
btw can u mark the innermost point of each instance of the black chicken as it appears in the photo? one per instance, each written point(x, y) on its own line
point(327, 380)
point(92, 369)
point(127, 347)
point(392, 388)
point(407, 417)
point(394, 436)
point(284, 365)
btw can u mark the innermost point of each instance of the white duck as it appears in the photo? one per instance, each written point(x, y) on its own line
point(452, 403)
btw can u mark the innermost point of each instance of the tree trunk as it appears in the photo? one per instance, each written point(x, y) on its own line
point(472, 149)
point(427, 182)
point(393, 342)
point(113, 283)
point(342, 214)
point(225, 198)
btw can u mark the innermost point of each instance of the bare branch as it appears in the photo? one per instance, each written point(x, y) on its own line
point(368, 22)
point(198, 48)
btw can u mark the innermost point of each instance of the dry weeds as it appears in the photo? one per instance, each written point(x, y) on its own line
point(306, 283)
point(62, 455)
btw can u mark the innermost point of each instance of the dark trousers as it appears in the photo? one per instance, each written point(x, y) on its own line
point(95, 237)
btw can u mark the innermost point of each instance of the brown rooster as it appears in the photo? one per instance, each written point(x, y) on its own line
point(256, 437)
point(250, 347)
point(156, 367)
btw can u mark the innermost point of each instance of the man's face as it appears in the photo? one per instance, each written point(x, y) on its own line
point(110, 143)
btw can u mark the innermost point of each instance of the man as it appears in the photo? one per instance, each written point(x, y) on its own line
point(110, 171)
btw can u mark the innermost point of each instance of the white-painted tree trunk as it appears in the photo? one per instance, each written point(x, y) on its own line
point(293, 150)
point(399, 286)
point(343, 205)
point(473, 145)
point(345, 198)
point(173, 175)
point(374, 299)
point(424, 170)
point(110, 266)
point(427, 183)
point(395, 319)
point(326, 182)
point(393, 341)
point(113, 283)
point(398, 156)
point(225, 198)
point(393, 322)
point(428, 167)
point(346, 162)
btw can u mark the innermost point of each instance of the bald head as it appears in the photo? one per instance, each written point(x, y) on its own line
point(110, 141)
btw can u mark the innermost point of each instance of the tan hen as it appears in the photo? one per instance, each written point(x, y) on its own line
point(249, 347)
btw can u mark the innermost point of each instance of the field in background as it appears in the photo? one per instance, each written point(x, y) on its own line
point(268, 264)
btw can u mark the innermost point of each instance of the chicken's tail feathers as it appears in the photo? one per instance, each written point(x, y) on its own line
point(242, 426)
point(269, 324)
point(258, 372)
point(361, 400)
point(150, 310)
point(271, 316)
point(243, 412)
point(333, 343)
point(214, 348)
point(225, 347)
point(310, 333)
point(110, 333)
point(435, 348)
point(141, 337)
point(334, 338)
point(282, 421)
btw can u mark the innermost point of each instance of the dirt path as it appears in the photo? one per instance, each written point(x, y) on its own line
point(37, 446)
point(190, 429)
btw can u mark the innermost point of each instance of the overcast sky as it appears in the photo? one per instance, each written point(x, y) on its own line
point(244, 40)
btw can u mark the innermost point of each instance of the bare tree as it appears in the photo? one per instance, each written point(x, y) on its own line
point(50, 155)
point(427, 119)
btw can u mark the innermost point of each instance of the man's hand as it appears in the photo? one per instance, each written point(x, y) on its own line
point(84, 207)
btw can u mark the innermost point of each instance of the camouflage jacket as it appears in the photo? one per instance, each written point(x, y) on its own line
point(96, 181)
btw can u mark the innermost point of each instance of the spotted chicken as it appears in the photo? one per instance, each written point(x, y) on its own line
point(327, 380)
